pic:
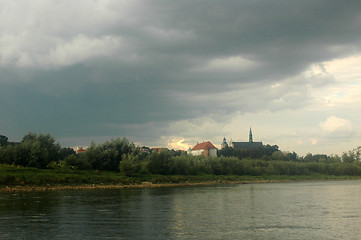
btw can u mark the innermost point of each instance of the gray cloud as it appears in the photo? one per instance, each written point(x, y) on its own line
point(118, 68)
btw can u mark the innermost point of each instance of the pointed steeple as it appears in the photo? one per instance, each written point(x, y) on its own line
point(250, 135)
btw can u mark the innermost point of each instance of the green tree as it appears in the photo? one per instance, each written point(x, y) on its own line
point(108, 155)
point(348, 157)
point(353, 155)
point(36, 150)
point(333, 159)
point(130, 165)
point(292, 156)
point(65, 152)
point(76, 162)
point(315, 158)
point(228, 152)
point(3, 140)
point(356, 154)
point(7, 154)
point(160, 163)
point(279, 156)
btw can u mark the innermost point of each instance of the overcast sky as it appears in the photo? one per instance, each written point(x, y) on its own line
point(174, 73)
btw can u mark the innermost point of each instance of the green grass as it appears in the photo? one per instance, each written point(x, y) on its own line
point(20, 176)
point(12, 175)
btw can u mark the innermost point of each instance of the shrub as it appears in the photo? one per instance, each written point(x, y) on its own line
point(130, 165)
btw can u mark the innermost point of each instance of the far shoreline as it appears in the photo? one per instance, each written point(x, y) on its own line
point(19, 188)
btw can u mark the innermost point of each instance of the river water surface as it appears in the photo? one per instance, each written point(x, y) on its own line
point(308, 210)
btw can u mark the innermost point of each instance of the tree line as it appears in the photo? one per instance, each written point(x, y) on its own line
point(121, 155)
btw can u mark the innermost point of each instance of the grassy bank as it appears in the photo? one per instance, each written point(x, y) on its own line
point(14, 178)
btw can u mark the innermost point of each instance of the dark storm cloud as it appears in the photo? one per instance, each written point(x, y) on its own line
point(158, 70)
point(272, 32)
point(71, 102)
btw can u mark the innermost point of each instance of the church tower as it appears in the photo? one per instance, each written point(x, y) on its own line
point(250, 135)
point(224, 143)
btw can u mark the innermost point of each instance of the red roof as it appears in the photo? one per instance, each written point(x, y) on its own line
point(157, 149)
point(203, 145)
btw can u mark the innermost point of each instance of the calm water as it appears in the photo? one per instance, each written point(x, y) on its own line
point(315, 210)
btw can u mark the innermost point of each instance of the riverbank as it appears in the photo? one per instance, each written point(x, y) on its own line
point(13, 178)
point(195, 182)
point(108, 186)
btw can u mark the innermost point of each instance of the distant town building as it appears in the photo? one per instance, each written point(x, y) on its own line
point(80, 149)
point(224, 143)
point(205, 148)
point(145, 149)
point(160, 149)
point(248, 145)
point(157, 150)
point(230, 143)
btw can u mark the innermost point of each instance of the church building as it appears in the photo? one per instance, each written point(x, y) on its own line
point(246, 145)
point(224, 143)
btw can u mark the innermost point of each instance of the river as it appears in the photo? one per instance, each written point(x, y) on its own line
point(303, 210)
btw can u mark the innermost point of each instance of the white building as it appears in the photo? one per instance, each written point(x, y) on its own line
point(80, 149)
point(206, 148)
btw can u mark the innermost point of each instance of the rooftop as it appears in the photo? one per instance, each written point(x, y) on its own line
point(203, 145)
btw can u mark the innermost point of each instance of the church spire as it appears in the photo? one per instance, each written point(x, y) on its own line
point(250, 135)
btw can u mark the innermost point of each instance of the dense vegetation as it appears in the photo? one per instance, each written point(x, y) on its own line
point(125, 159)
point(12, 176)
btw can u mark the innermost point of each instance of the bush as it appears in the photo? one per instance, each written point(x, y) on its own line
point(77, 162)
point(130, 165)
point(108, 155)
point(160, 163)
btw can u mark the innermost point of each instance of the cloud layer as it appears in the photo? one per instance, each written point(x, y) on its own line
point(159, 72)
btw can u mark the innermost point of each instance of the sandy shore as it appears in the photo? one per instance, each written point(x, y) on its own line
point(119, 186)
point(20, 188)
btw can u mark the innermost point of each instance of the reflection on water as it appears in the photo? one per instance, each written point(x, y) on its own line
point(316, 210)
